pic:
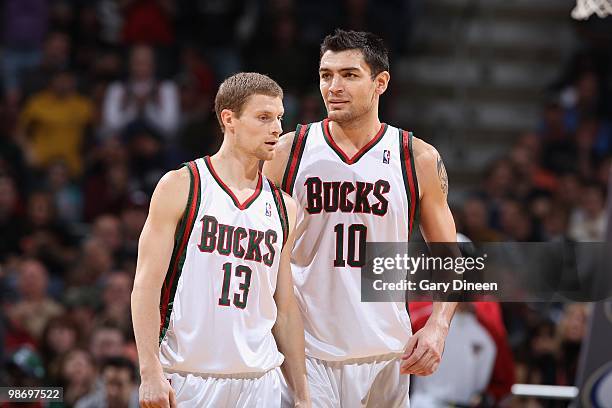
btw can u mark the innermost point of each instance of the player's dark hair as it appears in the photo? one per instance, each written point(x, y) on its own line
point(372, 47)
point(235, 91)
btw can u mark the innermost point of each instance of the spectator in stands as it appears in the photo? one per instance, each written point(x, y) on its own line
point(25, 26)
point(588, 222)
point(133, 218)
point(311, 108)
point(11, 224)
point(55, 57)
point(105, 342)
point(147, 157)
point(554, 225)
point(116, 301)
point(44, 237)
point(96, 261)
point(148, 22)
point(108, 191)
point(142, 100)
point(107, 229)
point(571, 332)
point(582, 100)
point(516, 223)
point(67, 196)
point(81, 306)
point(525, 157)
point(584, 150)
point(568, 195)
point(78, 375)
point(35, 307)
point(470, 351)
point(198, 134)
point(59, 337)
point(201, 23)
point(54, 122)
point(120, 388)
point(475, 222)
point(500, 178)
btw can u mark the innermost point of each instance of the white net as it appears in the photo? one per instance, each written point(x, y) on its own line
point(584, 8)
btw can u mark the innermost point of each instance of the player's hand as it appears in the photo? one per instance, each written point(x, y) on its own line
point(156, 392)
point(424, 350)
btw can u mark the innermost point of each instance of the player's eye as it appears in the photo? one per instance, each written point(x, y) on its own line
point(325, 76)
point(263, 117)
point(350, 75)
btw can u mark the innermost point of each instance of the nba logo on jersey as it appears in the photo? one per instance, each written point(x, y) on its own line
point(386, 156)
point(268, 209)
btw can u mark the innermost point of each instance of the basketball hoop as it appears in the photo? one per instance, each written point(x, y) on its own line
point(584, 8)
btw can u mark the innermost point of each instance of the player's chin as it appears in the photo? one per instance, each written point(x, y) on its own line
point(338, 115)
point(267, 154)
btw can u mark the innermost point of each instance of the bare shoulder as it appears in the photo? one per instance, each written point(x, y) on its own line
point(171, 193)
point(285, 142)
point(275, 168)
point(424, 153)
point(429, 166)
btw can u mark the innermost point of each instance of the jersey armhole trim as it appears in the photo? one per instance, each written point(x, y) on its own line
point(410, 180)
point(282, 210)
point(179, 251)
point(295, 157)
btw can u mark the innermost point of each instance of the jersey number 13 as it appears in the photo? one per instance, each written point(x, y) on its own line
point(240, 299)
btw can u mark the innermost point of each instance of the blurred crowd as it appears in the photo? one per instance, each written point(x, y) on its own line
point(100, 98)
point(552, 186)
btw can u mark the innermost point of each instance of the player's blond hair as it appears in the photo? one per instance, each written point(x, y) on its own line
point(236, 90)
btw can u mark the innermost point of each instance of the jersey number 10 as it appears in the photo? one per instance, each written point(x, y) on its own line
point(240, 300)
point(356, 244)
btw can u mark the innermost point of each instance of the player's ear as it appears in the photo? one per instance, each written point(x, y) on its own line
point(382, 82)
point(227, 117)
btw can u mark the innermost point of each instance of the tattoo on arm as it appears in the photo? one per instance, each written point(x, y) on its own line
point(443, 176)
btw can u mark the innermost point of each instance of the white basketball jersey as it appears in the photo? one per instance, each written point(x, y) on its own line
point(217, 306)
point(344, 203)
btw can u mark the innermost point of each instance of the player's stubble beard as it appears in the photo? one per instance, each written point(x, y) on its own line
point(352, 114)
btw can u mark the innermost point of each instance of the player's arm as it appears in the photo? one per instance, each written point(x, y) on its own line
point(289, 329)
point(275, 169)
point(424, 349)
point(154, 252)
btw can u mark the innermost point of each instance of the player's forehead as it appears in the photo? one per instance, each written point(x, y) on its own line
point(343, 60)
point(264, 103)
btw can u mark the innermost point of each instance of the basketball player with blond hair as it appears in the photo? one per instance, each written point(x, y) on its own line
point(358, 180)
point(213, 306)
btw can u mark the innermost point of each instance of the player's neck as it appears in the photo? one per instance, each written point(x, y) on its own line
point(357, 132)
point(235, 169)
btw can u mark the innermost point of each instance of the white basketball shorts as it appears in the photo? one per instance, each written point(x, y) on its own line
point(369, 382)
point(239, 391)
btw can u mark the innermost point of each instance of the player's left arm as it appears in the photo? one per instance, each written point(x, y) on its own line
point(424, 349)
point(289, 328)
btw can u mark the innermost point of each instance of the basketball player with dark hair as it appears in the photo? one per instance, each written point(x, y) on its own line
point(213, 304)
point(358, 180)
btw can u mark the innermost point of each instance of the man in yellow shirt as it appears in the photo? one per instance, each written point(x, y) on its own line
point(53, 123)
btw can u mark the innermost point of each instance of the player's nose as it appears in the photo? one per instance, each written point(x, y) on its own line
point(336, 84)
point(277, 128)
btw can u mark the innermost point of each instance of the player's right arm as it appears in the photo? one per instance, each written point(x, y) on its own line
point(275, 169)
point(289, 328)
point(154, 252)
